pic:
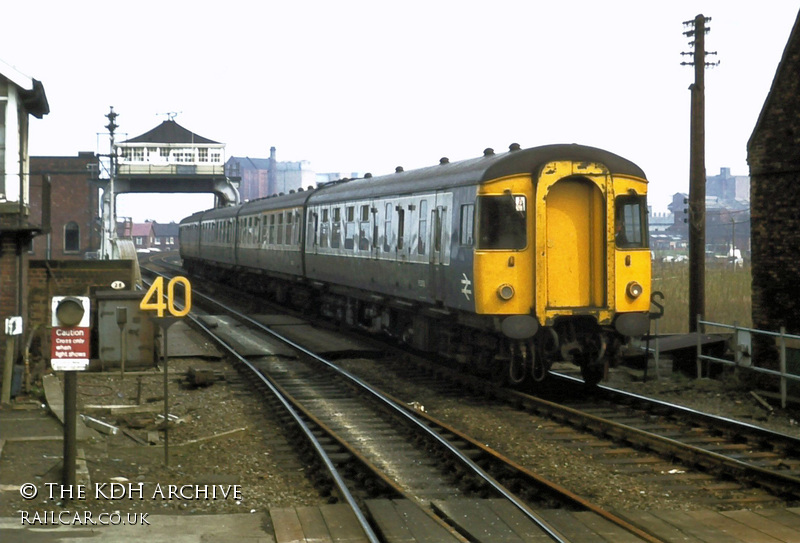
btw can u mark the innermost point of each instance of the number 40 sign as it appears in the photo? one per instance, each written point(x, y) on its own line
point(154, 299)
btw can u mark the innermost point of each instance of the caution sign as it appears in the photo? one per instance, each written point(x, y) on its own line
point(70, 335)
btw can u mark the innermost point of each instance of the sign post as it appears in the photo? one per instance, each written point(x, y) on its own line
point(160, 306)
point(69, 344)
point(13, 328)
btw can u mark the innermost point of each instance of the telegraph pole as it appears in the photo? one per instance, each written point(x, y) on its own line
point(697, 171)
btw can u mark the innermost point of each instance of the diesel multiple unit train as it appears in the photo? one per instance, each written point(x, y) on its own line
point(506, 263)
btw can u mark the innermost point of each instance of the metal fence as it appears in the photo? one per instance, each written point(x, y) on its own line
point(742, 353)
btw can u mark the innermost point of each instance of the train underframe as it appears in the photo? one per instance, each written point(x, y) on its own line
point(472, 341)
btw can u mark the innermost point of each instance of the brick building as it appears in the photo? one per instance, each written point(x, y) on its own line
point(261, 177)
point(74, 232)
point(20, 97)
point(773, 154)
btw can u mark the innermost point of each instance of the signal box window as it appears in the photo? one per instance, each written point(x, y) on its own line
point(630, 222)
point(502, 222)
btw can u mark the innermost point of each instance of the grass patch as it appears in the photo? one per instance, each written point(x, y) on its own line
point(727, 294)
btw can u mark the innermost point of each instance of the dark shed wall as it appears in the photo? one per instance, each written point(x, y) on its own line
point(773, 154)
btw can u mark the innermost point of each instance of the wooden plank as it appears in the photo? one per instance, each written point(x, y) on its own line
point(475, 518)
point(697, 530)
point(391, 525)
point(343, 524)
point(313, 524)
point(654, 525)
point(286, 525)
point(730, 527)
point(422, 527)
point(605, 529)
point(567, 524)
point(765, 525)
point(524, 527)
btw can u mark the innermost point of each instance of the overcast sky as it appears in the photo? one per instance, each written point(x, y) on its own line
point(366, 85)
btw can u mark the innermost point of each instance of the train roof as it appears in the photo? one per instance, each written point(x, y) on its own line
point(443, 176)
point(472, 171)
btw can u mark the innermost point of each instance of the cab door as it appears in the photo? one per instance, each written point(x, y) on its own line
point(575, 248)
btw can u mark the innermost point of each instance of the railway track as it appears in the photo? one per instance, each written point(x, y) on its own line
point(728, 457)
point(377, 447)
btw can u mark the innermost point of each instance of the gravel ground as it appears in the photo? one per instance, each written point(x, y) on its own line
point(514, 434)
point(226, 437)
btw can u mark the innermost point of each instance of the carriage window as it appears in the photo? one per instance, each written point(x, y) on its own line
point(350, 227)
point(423, 227)
point(630, 222)
point(467, 224)
point(387, 229)
point(336, 228)
point(401, 224)
point(311, 228)
point(323, 229)
point(289, 228)
point(363, 229)
point(502, 222)
point(438, 219)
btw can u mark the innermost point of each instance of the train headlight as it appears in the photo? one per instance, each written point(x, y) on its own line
point(505, 291)
point(634, 289)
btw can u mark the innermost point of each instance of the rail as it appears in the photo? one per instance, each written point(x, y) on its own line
point(741, 354)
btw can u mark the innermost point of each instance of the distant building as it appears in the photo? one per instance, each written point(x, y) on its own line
point(262, 177)
point(772, 153)
point(73, 229)
point(166, 236)
point(727, 217)
point(727, 187)
point(142, 234)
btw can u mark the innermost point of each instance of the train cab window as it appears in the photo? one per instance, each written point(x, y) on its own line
point(467, 224)
point(423, 227)
point(336, 228)
point(502, 222)
point(630, 222)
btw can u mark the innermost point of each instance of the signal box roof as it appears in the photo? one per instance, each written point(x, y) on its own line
point(170, 132)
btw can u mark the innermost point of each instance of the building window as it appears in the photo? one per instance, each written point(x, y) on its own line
point(202, 154)
point(72, 238)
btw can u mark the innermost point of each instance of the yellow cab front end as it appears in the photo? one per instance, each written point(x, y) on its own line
point(564, 251)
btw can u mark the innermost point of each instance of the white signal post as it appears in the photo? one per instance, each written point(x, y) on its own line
point(159, 305)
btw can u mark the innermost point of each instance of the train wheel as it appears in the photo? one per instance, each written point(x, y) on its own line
point(592, 373)
point(499, 371)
